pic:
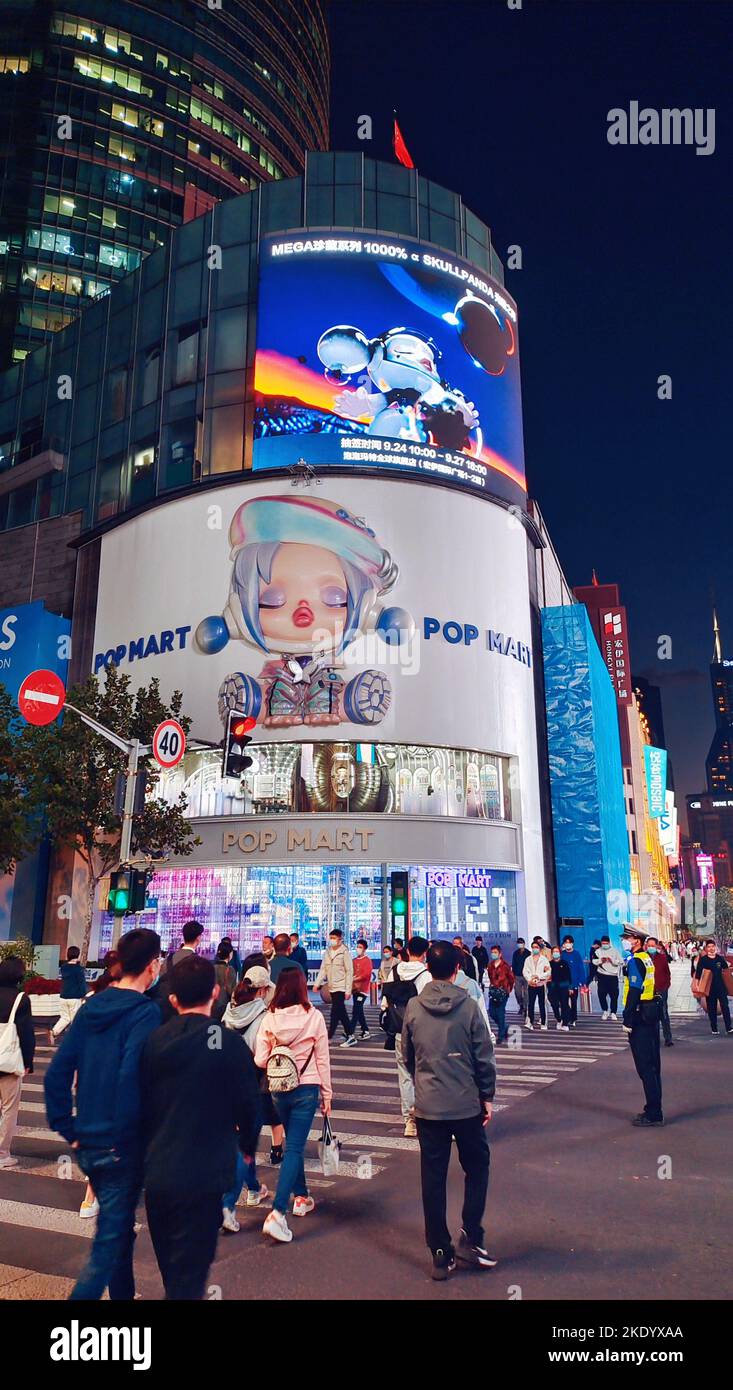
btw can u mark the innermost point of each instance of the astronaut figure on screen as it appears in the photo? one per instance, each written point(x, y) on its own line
point(411, 401)
point(306, 583)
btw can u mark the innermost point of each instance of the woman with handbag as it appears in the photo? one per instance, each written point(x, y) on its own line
point(712, 977)
point(292, 1046)
point(501, 984)
point(17, 1045)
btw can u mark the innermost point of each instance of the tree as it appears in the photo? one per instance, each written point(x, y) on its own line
point(72, 771)
point(723, 916)
point(19, 831)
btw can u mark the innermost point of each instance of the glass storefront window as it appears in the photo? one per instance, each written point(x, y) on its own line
point(345, 779)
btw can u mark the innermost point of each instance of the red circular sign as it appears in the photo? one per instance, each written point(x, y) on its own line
point(169, 743)
point(41, 697)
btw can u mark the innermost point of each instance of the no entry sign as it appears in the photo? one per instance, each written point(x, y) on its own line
point(41, 697)
point(169, 743)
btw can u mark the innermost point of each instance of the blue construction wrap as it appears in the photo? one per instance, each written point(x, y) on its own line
point(586, 777)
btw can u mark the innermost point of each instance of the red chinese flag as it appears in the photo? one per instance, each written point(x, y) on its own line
point(400, 148)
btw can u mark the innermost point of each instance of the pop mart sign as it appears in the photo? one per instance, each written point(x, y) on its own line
point(457, 878)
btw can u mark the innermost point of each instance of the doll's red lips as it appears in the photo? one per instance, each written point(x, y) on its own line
point(303, 616)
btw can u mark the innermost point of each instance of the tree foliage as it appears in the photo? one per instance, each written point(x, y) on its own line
point(19, 831)
point(70, 773)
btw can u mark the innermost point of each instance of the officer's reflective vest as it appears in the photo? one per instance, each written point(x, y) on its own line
point(648, 990)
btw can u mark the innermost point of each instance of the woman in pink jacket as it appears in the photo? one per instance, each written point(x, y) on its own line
point(291, 1021)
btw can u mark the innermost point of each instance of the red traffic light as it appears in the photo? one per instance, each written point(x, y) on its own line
point(239, 727)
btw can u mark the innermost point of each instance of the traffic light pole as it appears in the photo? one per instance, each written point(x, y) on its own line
point(134, 749)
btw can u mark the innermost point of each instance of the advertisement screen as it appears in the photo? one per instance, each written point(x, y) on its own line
point(381, 353)
point(368, 611)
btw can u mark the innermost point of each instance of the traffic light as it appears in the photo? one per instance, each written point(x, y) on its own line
point(238, 735)
point(399, 882)
point(128, 891)
point(119, 892)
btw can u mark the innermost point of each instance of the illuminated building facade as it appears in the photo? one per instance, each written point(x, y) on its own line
point(123, 121)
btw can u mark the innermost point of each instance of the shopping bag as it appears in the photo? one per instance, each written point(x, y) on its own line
point(329, 1150)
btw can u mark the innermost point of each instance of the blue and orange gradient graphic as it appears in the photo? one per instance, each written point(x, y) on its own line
point(387, 355)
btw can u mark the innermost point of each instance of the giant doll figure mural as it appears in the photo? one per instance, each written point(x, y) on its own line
point(307, 581)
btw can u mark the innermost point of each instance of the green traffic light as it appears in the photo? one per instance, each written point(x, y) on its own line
point(399, 907)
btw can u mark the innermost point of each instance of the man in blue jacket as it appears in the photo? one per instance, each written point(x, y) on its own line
point(574, 959)
point(102, 1048)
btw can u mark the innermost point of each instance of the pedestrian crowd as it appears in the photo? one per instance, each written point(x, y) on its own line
point(166, 1071)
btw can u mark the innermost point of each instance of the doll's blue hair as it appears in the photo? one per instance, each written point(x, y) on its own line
point(254, 563)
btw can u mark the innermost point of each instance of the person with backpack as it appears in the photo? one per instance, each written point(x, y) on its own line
point(226, 977)
point(17, 1046)
point(244, 1015)
point(408, 979)
point(73, 991)
point(200, 1103)
point(292, 1047)
point(337, 973)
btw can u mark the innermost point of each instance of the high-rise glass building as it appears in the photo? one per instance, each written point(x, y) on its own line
point(121, 121)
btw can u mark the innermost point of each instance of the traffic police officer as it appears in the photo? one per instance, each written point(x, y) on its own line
point(641, 1018)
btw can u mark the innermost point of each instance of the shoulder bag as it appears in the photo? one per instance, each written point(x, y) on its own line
point(11, 1054)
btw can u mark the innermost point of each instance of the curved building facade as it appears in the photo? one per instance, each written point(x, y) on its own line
point(114, 133)
point(294, 452)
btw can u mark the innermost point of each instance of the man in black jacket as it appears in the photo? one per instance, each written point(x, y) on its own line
point(12, 971)
point(200, 1100)
point(481, 957)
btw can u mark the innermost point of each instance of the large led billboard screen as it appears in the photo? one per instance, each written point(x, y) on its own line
point(380, 353)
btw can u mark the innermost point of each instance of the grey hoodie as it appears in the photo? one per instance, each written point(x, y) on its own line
point(448, 1052)
point(245, 1019)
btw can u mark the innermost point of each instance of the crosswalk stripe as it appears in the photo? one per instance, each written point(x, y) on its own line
point(53, 1219)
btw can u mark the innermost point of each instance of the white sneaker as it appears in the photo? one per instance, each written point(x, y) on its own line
point(87, 1210)
point(253, 1199)
point(9, 1162)
point(527, 1023)
point(605, 1014)
point(277, 1227)
point(543, 1027)
point(350, 1042)
point(229, 1221)
point(302, 1205)
point(614, 1017)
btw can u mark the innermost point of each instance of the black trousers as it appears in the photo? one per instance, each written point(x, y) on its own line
point(184, 1232)
point(539, 995)
point(339, 1014)
point(434, 1137)
point(713, 1000)
point(560, 1003)
point(608, 993)
point(358, 1017)
point(644, 1043)
point(573, 1005)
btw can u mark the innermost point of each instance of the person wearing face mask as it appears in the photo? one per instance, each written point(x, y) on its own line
point(521, 954)
point(641, 1015)
point(268, 949)
point(360, 990)
point(537, 974)
point(559, 989)
point(386, 966)
point(337, 973)
point(501, 984)
point(577, 976)
point(662, 983)
point(608, 966)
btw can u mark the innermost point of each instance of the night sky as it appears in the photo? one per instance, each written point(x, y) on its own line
point(627, 275)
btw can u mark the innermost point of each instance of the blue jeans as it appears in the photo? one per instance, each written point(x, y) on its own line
point(117, 1184)
point(296, 1110)
point(497, 1014)
point(245, 1176)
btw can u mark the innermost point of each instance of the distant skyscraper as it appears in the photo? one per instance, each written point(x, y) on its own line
point(121, 120)
point(719, 762)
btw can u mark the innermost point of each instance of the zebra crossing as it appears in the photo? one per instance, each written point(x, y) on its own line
point(43, 1240)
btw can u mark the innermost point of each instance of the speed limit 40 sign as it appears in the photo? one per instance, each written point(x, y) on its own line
point(169, 743)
